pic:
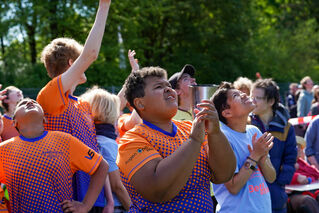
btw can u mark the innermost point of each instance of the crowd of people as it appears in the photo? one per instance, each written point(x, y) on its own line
point(235, 152)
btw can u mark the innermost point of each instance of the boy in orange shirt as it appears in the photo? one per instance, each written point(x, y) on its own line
point(66, 61)
point(37, 166)
point(167, 165)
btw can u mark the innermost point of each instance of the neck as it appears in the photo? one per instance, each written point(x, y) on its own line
point(238, 124)
point(165, 125)
point(267, 116)
point(10, 111)
point(32, 132)
point(184, 103)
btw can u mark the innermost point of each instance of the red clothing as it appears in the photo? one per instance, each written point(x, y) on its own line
point(305, 169)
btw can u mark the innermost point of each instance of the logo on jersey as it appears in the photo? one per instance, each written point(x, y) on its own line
point(90, 155)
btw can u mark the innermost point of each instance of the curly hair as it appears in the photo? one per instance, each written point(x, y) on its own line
point(57, 54)
point(135, 82)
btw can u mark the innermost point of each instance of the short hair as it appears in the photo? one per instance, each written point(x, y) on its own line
point(304, 81)
point(8, 90)
point(57, 54)
point(292, 85)
point(220, 99)
point(243, 83)
point(105, 106)
point(135, 82)
point(271, 90)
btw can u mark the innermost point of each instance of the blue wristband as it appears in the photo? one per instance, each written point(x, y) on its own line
point(309, 180)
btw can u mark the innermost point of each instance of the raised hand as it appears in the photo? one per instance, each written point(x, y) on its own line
point(208, 114)
point(133, 61)
point(261, 146)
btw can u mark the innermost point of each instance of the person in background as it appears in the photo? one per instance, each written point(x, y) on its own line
point(13, 96)
point(243, 84)
point(105, 111)
point(312, 139)
point(291, 100)
point(181, 82)
point(247, 191)
point(167, 165)
point(303, 202)
point(305, 97)
point(37, 166)
point(314, 110)
point(66, 62)
point(271, 116)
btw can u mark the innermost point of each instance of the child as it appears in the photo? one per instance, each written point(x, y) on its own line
point(66, 61)
point(37, 166)
point(13, 96)
point(105, 110)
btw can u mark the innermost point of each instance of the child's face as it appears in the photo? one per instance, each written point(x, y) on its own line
point(15, 96)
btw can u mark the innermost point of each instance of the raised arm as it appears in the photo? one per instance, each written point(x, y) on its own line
point(260, 148)
point(218, 145)
point(161, 179)
point(75, 74)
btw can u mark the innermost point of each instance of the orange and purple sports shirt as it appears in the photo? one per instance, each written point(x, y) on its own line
point(146, 142)
point(9, 131)
point(69, 114)
point(38, 172)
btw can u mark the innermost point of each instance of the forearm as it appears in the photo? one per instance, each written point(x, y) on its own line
point(218, 150)
point(267, 170)
point(164, 178)
point(96, 183)
point(108, 192)
point(122, 98)
point(123, 196)
point(94, 40)
point(239, 180)
point(313, 161)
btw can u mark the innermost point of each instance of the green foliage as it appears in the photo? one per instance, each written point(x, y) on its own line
point(223, 39)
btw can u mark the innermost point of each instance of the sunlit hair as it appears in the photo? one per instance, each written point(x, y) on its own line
point(243, 83)
point(105, 106)
point(135, 82)
point(271, 90)
point(8, 89)
point(57, 54)
point(304, 81)
point(220, 99)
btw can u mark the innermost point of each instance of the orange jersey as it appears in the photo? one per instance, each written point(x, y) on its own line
point(146, 142)
point(69, 114)
point(9, 131)
point(38, 172)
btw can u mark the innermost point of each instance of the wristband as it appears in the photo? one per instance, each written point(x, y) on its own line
point(252, 159)
point(309, 180)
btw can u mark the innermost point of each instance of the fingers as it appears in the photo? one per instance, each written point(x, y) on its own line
point(67, 206)
point(249, 148)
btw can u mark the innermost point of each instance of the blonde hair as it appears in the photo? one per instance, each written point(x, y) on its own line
point(243, 83)
point(105, 106)
point(57, 54)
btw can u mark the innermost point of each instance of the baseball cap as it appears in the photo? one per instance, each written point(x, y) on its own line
point(189, 69)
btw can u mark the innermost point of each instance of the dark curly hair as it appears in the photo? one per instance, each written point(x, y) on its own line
point(220, 99)
point(135, 82)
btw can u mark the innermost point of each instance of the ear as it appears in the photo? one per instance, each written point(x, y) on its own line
point(227, 113)
point(271, 102)
point(70, 62)
point(139, 104)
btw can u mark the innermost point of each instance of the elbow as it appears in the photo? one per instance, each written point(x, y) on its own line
point(91, 55)
point(224, 175)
